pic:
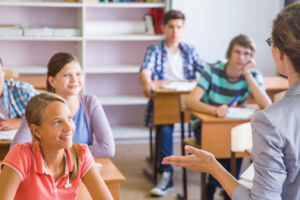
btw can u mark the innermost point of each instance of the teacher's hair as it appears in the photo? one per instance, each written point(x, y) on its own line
point(286, 33)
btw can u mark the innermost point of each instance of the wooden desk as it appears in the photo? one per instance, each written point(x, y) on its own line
point(216, 134)
point(38, 81)
point(4, 148)
point(216, 139)
point(112, 177)
point(166, 104)
point(273, 84)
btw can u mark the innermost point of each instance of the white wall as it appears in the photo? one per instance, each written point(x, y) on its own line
point(211, 24)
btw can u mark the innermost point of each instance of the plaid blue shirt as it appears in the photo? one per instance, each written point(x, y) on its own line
point(16, 95)
point(156, 60)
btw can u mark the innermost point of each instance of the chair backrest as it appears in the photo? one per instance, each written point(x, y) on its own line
point(11, 74)
point(279, 96)
point(182, 100)
point(182, 107)
point(241, 137)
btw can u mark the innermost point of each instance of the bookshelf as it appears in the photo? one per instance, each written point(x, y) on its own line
point(110, 62)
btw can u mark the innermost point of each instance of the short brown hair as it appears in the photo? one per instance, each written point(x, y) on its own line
point(57, 63)
point(286, 33)
point(173, 14)
point(242, 40)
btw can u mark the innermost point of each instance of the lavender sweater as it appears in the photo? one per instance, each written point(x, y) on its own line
point(97, 123)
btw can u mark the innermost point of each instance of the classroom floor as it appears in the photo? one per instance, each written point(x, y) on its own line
point(130, 159)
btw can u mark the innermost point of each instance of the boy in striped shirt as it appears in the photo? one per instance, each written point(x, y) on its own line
point(221, 82)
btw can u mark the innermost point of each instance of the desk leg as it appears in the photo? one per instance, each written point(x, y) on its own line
point(155, 156)
point(203, 186)
point(153, 176)
point(184, 177)
point(114, 189)
point(151, 149)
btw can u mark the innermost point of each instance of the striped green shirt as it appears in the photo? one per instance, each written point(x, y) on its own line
point(219, 90)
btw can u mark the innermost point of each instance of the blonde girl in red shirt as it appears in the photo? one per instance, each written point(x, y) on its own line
point(52, 166)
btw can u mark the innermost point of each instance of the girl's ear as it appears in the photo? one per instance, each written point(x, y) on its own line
point(35, 130)
point(51, 81)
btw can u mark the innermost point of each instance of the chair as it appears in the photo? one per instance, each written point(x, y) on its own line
point(11, 74)
point(241, 141)
point(279, 95)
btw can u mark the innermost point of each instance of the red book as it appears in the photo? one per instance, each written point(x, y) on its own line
point(157, 16)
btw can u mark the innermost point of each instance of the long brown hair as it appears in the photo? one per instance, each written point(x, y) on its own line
point(57, 63)
point(34, 113)
point(286, 33)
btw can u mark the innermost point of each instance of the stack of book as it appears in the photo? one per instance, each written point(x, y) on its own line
point(11, 30)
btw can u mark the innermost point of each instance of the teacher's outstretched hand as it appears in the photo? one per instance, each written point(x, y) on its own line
point(199, 160)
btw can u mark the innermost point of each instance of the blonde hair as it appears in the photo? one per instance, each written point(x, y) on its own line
point(286, 33)
point(34, 113)
point(242, 40)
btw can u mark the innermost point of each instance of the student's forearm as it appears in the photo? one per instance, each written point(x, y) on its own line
point(228, 182)
point(260, 97)
point(199, 106)
point(145, 77)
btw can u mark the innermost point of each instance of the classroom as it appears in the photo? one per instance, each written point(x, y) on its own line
point(149, 99)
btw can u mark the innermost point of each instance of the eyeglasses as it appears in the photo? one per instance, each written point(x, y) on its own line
point(269, 41)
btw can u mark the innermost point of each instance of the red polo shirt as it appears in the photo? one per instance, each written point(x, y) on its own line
point(36, 180)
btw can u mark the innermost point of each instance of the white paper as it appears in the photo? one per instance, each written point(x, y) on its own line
point(180, 85)
point(240, 113)
point(98, 165)
point(248, 173)
point(8, 135)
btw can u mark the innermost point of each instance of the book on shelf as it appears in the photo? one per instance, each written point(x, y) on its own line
point(157, 16)
point(11, 30)
point(149, 25)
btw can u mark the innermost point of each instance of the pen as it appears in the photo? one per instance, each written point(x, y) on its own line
point(233, 100)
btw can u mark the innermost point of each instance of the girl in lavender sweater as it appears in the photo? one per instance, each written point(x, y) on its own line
point(64, 78)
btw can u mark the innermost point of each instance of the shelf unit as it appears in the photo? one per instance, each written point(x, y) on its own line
point(110, 62)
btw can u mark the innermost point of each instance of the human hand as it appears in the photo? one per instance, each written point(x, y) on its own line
point(147, 89)
point(251, 64)
point(9, 124)
point(221, 111)
point(200, 160)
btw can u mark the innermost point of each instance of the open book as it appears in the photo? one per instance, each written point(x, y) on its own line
point(8, 135)
point(240, 113)
point(180, 85)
